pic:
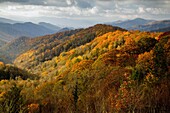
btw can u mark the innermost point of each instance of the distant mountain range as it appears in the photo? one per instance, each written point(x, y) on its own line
point(24, 29)
point(10, 30)
point(4, 20)
point(143, 25)
point(127, 24)
point(154, 26)
point(50, 26)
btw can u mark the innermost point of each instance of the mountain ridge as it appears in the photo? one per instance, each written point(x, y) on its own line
point(142, 24)
point(4, 20)
point(102, 65)
point(127, 24)
point(64, 41)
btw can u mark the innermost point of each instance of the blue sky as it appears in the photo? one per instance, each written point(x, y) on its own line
point(82, 13)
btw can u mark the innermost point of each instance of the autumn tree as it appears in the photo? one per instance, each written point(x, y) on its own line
point(13, 101)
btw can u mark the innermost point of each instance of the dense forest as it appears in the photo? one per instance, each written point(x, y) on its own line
point(100, 69)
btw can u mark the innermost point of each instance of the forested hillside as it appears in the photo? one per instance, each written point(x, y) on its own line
point(55, 43)
point(94, 70)
point(13, 49)
point(8, 72)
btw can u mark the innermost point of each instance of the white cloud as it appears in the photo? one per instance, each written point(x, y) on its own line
point(141, 10)
point(69, 2)
point(90, 10)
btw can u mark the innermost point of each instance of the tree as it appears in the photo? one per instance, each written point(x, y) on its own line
point(12, 101)
point(161, 65)
point(75, 96)
point(146, 44)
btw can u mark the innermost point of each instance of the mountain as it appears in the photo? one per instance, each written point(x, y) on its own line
point(50, 26)
point(2, 43)
point(143, 25)
point(59, 42)
point(161, 29)
point(99, 66)
point(93, 70)
point(9, 32)
point(24, 29)
point(10, 50)
point(4, 20)
point(130, 23)
point(65, 29)
point(154, 26)
point(5, 38)
point(49, 46)
point(89, 46)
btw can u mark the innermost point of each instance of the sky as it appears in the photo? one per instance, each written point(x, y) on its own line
point(83, 13)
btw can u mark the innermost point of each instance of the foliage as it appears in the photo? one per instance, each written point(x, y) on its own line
point(12, 101)
point(95, 70)
point(11, 72)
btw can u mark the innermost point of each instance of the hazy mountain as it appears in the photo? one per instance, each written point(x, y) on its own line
point(65, 29)
point(143, 25)
point(50, 26)
point(162, 29)
point(4, 20)
point(154, 26)
point(12, 49)
point(8, 32)
point(2, 43)
point(130, 23)
point(31, 29)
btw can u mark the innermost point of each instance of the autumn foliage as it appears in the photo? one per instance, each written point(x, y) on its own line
point(95, 70)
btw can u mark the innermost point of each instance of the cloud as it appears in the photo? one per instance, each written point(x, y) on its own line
point(57, 3)
point(89, 10)
point(141, 10)
point(14, 1)
point(69, 2)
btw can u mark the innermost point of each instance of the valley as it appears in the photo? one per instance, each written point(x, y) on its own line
point(84, 56)
point(101, 68)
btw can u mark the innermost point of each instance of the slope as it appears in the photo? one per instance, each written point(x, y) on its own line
point(2, 42)
point(119, 71)
point(71, 52)
point(11, 50)
point(54, 46)
point(8, 72)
